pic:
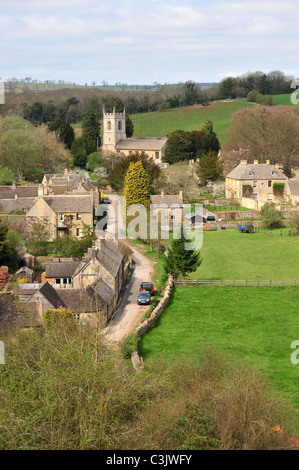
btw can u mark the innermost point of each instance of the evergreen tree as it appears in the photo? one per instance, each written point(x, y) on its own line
point(137, 188)
point(180, 261)
point(129, 127)
point(91, 125)
point(210, 167)
point(64, 130)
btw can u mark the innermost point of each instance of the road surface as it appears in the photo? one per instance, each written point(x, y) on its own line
point(129, 313)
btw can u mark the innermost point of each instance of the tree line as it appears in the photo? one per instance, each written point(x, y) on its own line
point(272, 83)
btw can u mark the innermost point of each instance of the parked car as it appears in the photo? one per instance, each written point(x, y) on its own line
point(147, 287)
point(106, 200)
point(144, 298)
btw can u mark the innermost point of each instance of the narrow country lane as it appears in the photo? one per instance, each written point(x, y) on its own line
point(129, 313)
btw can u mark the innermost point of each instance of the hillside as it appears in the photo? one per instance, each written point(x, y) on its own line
point(188, 118)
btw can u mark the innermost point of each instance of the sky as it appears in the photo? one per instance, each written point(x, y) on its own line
point(146, 41)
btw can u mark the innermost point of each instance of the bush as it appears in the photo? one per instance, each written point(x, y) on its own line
point(270, 216)
point(130, 345)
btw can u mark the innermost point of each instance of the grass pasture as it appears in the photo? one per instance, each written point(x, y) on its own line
point(157, 124)
point(283, 100)
point(255, 326)
point(230, 254)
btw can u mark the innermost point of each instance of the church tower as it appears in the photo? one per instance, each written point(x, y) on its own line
point(114, 129)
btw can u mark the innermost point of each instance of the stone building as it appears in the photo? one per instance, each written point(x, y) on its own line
point(255, 182)
point(115, 139)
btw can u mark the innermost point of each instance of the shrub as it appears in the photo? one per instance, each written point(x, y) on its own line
point(130, 345)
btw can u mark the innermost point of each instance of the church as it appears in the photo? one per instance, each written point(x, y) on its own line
point(115, 139)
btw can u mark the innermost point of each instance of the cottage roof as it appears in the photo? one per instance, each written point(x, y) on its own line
point(66, 269)
point(82, 300)
point(8, 310)
point(51, 295)
point(9, 205)
point(260, 171)
point(142, 143)
point(10, 192)
point(70, 203)
point(168, 199)
point(294, 187)
point(107, 255)
point(105, 291)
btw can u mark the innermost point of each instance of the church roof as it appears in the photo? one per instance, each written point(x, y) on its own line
point(142, 143)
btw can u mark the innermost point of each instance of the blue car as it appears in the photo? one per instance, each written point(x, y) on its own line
point(144, 298)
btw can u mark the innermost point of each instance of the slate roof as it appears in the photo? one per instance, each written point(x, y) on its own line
point(70, 204)
point(142, 143)
point(107, 255)
point(9, 205)
point(260, 171)
point(62, 269)
point(294, 187)
point(51, 295)
point(9, 192)
point(169, 200)
point(8, 310)
point(82, 300)
point(104, 290)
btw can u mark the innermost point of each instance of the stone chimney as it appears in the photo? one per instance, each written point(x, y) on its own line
point(243, 162)
point(16, 196)
point(277, 165)
point(14, 186)
point(181, 193)
point(255, 162)
point(40, 191)
point(268, 162)
point(162, 193)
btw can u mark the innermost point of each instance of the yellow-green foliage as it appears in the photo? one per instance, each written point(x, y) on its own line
point(136, 188)
point(57, 314)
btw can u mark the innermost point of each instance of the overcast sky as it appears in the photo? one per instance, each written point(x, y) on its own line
point(143, 41)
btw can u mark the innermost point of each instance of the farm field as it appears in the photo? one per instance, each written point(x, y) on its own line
point(254, 326)
point(283, 100)
point(157, 124)
point(230, 254)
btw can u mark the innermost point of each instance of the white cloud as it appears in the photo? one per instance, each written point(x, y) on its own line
point(143, 39)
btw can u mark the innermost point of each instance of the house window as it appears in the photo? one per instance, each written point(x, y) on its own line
point(274, 173)
point(254, 184)
point(250, 173)
point(79, 232)
point(157, 155)
point(270, 197)
point(78, 216)
point(254, 196)
point(269, 184)
point(109, 125)
point(119, 125)
point(57, 281)
point(172, 217)
point(130, 152)
point(61, 217)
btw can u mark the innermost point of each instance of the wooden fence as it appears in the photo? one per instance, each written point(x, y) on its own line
point(239, 282)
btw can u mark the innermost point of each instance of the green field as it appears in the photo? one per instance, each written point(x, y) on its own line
point(230, 254)
point(157, 124)
point(284, 100)
point(255, 326)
